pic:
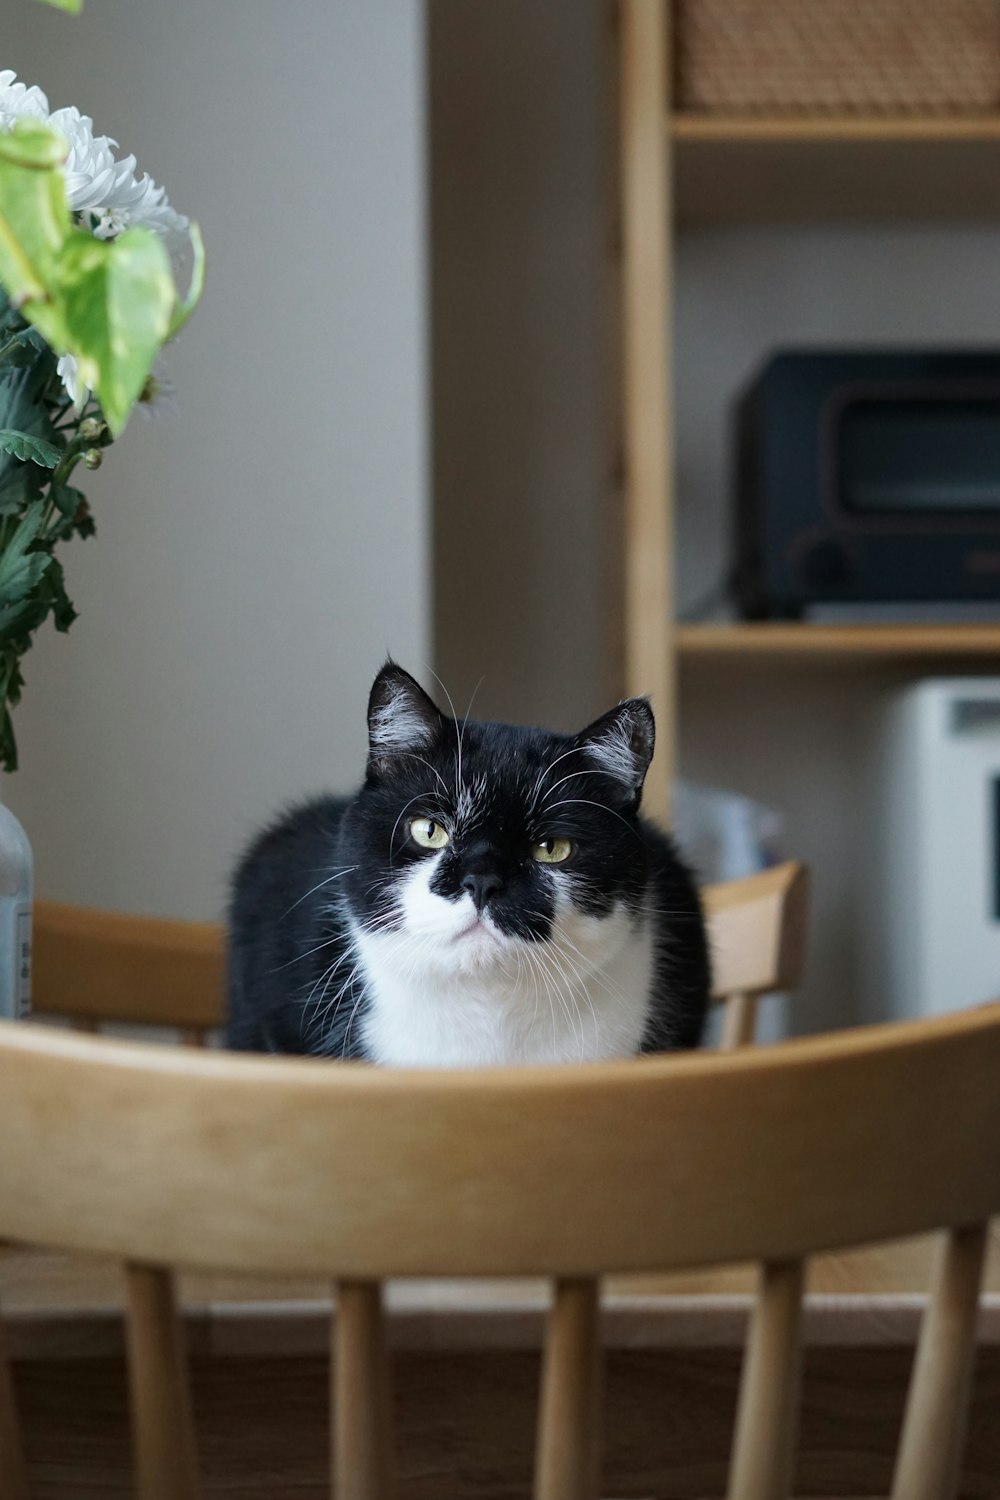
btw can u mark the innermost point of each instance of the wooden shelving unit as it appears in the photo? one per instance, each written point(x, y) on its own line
point(847, 129)
point(768, 643)
point(683, 171)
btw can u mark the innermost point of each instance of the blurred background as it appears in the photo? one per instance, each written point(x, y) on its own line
point(406, 418)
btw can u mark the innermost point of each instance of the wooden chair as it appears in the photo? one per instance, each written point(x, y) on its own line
point(97, 966)
point(163, 1157)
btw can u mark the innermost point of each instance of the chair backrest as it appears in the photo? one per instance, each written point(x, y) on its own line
point(95, 966)
point(757, 932)
point(164, 1157)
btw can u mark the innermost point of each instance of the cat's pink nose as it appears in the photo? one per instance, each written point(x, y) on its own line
point(482, 886)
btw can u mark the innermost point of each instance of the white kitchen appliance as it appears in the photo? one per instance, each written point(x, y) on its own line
point(929, 886)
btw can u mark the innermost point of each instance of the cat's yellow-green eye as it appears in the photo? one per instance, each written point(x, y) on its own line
point(552, 851)
point(428, 834)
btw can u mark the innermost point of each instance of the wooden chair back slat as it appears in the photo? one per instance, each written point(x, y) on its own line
point(927, 1465)
point(568, 1448)
point(767, 1414)
point(105, 966)
point(13, 1474)
point(739, 1020)
point(162, 1422)
point(363, 1467)
point(757, 930)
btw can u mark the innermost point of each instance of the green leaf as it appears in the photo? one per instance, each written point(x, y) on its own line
point(32, 144)
point(53, 595)
point(186, 306)
point(67, 499)
point(23, 411)
point(27, 448)
point(34, 223)
point(21, 349)
point(20, 569)
point(74, 6)
point(19, 485)
point(19, 619)
point(117, 299)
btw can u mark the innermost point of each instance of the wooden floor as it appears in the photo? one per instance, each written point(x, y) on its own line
point(466, 1425)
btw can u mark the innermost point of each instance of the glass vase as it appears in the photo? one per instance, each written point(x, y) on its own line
point(16, 872)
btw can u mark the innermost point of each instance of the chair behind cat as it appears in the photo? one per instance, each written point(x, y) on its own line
point(98, 966)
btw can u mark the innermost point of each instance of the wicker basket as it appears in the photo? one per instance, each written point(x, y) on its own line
point(821, 57)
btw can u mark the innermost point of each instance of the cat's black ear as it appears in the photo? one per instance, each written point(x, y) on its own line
point(402, 719)
point(620, 744)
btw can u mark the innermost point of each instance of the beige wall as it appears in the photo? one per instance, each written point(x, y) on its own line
point(265, 542)
point(524, 536)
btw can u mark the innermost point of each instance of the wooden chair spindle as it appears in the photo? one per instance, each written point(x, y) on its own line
point(163, 1426)
point(767, 1414)
point(568, 1452)
point(363, 1467)
point(930, 1448)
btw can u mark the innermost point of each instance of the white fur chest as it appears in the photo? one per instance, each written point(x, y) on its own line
point(434, 1000)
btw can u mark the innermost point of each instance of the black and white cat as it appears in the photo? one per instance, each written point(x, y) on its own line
point(489, 896)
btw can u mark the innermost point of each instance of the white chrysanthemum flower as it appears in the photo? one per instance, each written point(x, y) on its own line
point(19, 102)
point(69, 373)
point(137, 200)
point(89, 169)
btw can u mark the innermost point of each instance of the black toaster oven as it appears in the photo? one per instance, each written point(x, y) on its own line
point(868, 477)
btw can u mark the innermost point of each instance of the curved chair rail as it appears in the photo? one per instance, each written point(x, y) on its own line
point(168, 1156)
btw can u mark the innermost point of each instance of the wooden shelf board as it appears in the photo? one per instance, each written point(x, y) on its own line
point(806, 129)
point(790, 641)
point(831, 170)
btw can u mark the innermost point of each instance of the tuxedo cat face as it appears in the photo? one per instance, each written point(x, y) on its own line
point(471, 844)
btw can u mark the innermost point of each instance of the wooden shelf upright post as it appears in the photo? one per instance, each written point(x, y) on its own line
point(647, 417)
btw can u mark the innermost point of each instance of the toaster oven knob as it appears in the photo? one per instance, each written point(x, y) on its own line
point(825, 566)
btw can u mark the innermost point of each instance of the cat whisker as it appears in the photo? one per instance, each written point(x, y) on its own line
point(330, 970)
point(459, 732)
point(472, 700)
point(588, 802)
point(324, 1007)
point(589, 771)
point(573, 750)
point(308, 954)
point(362, 992)
point(573, 990)
point(338, 875)
point(310, 1014)
point(412, 755)
point(582, 980)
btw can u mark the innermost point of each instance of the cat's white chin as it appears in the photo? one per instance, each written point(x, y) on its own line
point(477, 945)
